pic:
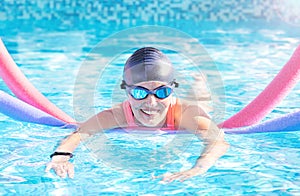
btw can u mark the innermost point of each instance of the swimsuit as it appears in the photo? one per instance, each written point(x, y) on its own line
point(170, 121)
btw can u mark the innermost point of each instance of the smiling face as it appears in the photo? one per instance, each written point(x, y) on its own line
point(151, 111)
point(149, 69)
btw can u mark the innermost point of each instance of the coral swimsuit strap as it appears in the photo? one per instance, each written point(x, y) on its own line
point(170, 125)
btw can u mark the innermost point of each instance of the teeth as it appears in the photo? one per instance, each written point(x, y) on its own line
point(150, 112)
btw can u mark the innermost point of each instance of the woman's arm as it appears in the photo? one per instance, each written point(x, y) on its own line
point(194, 120)
point(215, 145)
point(107, 119)
point(60, 163)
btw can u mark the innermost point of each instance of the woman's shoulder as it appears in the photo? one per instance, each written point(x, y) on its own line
point(190, 107)
point(188, 113)
point(115, 113)
point(118, 108)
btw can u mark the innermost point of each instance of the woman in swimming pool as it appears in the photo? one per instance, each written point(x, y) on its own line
point(149, 81)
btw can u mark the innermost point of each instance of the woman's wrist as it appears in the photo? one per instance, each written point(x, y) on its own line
point(70, 155)
point(205, 162)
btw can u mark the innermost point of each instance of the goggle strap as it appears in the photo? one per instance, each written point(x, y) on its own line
point(123, 85)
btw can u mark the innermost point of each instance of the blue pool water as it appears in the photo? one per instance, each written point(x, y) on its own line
point(247, 50)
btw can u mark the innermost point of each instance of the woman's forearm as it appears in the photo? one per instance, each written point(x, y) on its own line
point(86, 129)
point(70, 143)
point(92, 126)
point(211, 153)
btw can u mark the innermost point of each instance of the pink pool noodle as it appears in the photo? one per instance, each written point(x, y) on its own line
point(287, 122)
point(23, 89)
point(19, 110)
point(281, 85)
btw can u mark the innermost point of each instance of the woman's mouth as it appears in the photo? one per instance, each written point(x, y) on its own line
point(149, 112)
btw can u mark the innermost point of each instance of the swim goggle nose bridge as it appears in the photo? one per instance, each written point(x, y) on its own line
point(139, 92)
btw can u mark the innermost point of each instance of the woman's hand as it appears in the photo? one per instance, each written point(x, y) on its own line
point(61, 166)
point(183, 175)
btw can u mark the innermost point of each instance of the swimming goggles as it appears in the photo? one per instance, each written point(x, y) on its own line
point(140, 93)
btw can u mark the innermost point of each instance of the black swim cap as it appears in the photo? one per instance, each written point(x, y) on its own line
point(148, 64)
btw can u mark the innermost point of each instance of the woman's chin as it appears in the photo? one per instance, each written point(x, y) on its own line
point(152, 123)
point(153, 119)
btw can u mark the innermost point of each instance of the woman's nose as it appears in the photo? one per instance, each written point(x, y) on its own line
point(152, 100)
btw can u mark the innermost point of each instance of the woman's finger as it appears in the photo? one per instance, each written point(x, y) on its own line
point(64, 166)
point(48, 167)
point(61, 169)
point(179, 176)
point(186, 177)
point(60, 172)
point(70, 170)
point(172, 177)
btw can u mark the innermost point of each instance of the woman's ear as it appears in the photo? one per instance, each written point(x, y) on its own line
point(123, 85)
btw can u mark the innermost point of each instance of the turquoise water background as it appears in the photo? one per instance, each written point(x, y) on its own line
point(50, 51)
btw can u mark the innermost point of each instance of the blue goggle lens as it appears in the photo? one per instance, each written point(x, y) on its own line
point(140, 93)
